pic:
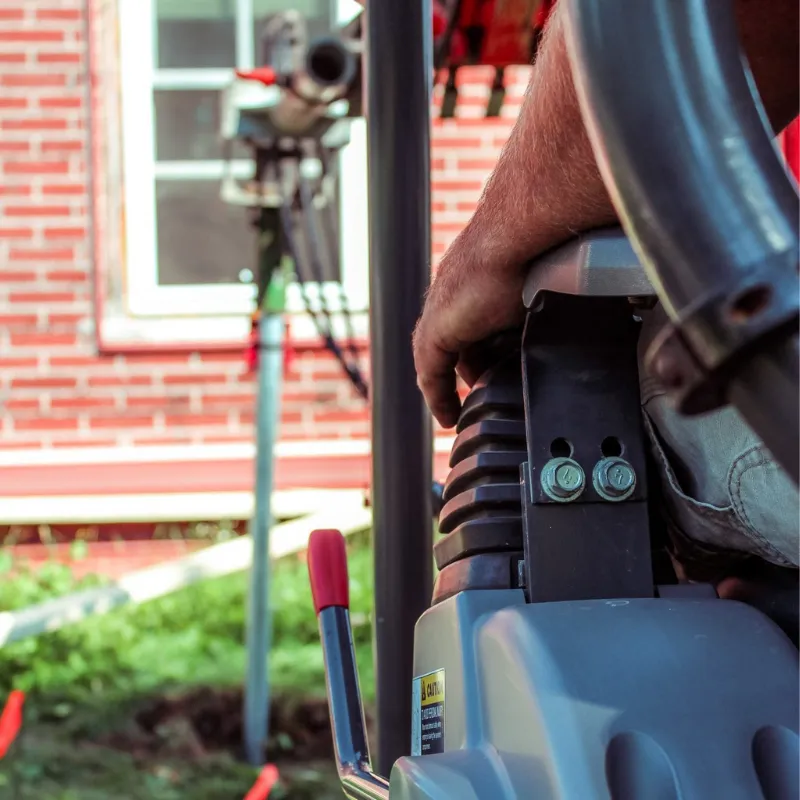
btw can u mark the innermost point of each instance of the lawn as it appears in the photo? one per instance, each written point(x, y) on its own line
point(145, 702)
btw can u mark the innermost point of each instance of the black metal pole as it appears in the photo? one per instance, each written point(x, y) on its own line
point(398, 87)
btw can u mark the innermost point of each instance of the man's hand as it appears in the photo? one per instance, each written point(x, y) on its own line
point(545, 188)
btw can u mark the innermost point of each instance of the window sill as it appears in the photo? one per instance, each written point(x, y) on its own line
point(120, 333)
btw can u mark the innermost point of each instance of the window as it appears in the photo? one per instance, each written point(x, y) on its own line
point(186, 251)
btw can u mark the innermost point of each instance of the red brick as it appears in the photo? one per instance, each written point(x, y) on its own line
point(36, 167)
point(477, 163)
point(14, 147)
point(64, 189)
point(181, 380)
point(196, 419)
point(67, 146)
point(119, 380)
point(457, 186)
point(7, 191)
point(58, 58)
point(162, 359)
point(32, 80)
point(121, 421)
point(159, 402)
point(18, 319)
point(354, 415)
point(18, 362)
point(455, 143)
point(228, 439)
point(68, 275)
point(61, 102)
point(13, 102)
point(13, 58)
point(41, 297)
point(43, 254)
point(486, 122)
point(77, 232)
point(34, 124)
point(449, 227)
point(16, 233)
point(45, 382)
point(29, 445)
point(46, 424)
point(43, 340)
point(59, 14)
point(71, 320)
point(9, 14)
point(468, 207)
point(72, 361)
point(78, 403)
point(84, 443)
point(219, 357)
point(145, 441)
point(38, 211)
point(16, 276)
point(21, 404)
point(228, 399)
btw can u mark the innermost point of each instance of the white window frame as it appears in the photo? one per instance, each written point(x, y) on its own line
point(218, 312)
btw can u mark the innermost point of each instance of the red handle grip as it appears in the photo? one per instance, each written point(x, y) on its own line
point(327, 570)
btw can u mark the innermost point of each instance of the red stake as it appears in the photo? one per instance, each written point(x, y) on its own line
point(11, 720)
point(264, 783)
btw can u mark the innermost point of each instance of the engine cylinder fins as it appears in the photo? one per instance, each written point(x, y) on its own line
point(489, 466)
point(482, 510)
point(493, 499)
point(487, 401)
point(497, 435)
point(477, 536)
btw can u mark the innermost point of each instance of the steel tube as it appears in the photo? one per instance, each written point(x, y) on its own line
point(256, 698)
point(399, 75)
point(347, 716)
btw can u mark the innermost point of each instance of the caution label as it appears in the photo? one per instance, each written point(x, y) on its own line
point(427, 735)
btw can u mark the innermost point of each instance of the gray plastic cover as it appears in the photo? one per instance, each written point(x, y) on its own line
point(599, 263)
point(672, 698)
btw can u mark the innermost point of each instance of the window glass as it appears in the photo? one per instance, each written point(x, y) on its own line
point(187, 124)
point(200, 238)
point(195, 34)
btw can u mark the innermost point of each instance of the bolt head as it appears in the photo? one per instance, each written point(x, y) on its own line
point(614, 479)
point(563, 479)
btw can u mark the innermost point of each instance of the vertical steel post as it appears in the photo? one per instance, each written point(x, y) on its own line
point(268, 398)
point(399, 75)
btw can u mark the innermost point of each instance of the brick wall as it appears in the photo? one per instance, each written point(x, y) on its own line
point(55, 390)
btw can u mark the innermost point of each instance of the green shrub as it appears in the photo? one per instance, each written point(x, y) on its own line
point(190, 637)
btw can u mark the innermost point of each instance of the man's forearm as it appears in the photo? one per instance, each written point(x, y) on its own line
point(546, 185)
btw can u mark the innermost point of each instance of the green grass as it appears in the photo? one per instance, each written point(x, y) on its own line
point(84, 681)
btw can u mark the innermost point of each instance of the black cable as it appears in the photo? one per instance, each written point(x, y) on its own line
point(352, 370)
point(325, 239)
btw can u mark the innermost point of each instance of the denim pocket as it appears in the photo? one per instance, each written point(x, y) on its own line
point(720, 487)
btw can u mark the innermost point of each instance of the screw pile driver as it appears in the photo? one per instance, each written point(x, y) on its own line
point(559, 654)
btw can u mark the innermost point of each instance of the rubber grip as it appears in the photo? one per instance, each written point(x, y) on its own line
point(327, 570)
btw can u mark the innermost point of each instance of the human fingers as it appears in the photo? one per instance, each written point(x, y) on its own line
point(436, 372)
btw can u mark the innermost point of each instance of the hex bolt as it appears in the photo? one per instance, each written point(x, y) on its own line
point(614, 479)
point(563, 480)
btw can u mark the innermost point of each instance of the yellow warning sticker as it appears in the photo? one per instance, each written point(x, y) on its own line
point(432, 688)
point(427, 714)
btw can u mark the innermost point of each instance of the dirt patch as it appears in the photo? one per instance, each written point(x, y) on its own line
point(204, 721)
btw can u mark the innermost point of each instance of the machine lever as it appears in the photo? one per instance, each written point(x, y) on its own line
point(327, 572)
